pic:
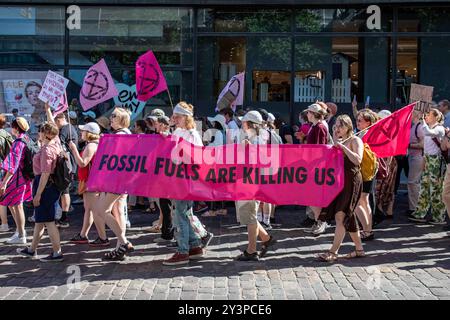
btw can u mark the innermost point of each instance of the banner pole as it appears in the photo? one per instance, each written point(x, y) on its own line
point(170, 98)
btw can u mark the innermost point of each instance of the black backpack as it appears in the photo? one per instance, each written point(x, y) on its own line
point(31, 148)
point(62, 176)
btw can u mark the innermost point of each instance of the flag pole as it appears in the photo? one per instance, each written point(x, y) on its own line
point(170, 98)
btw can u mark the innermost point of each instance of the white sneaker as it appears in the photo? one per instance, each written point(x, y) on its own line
point(4, 228)
point(320, 228)
point(17, 240)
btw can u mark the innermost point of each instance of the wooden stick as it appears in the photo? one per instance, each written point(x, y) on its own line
point(170, 98)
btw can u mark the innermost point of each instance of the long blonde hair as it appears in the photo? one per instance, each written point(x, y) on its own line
point(438, 114)
point(190, 123)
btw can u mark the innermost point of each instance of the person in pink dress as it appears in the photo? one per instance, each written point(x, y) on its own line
point(15, 189)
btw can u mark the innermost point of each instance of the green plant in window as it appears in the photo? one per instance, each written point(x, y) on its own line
point(309, 20)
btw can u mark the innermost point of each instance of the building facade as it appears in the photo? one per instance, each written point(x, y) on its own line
point(292, 52)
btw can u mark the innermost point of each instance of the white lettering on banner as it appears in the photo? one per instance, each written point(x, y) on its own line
point(74, 20)
point(374, 21)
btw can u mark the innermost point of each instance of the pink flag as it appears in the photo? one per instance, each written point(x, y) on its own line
point(98, 86)
point(62, 106)
point(159, 167)
point(149, 78)
point(390, 136)
point(233, 93)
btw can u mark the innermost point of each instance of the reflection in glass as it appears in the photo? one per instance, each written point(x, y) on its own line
point(32, 35)
point(121, 35)
point(242, 20)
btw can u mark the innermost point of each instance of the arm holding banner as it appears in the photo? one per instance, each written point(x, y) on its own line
point(355, 144)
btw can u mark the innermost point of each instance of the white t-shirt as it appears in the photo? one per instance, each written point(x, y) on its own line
point(429, 146)
point(123, 131)
point(191, 136)
point(232, 132)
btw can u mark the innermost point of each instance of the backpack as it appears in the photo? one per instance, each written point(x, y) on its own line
point(369, 164)
point(274, 137)
point(8, 141)
point(31, 148)
point(62, 176)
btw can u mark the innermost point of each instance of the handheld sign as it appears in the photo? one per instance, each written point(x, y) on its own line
point(423, 95)
point(53, 88)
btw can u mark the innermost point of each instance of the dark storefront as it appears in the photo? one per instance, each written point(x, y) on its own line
point(293, 52)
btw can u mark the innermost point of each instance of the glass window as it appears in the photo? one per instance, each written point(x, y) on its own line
point(341, 20)
point(32, 35)
point(434, 67)
point(121, 35)
point(406, 68)
point(424, 19)
point(243, 20)
point(338, 68)
point(219, 59)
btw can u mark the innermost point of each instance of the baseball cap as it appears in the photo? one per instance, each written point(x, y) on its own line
point(90, 114)
point(384, 113)
point(270, 118)
point(252, 116)
point(72, 115)
point(157, 113)
point(22, 123)
point(220, 119)
point(164, 120)
point(91, 127)
point(315, 108)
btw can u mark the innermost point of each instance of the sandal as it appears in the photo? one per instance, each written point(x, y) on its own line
point(209, 213)
point(327, 256)
point(356, 254)
point(119, 253)
point(367, 236)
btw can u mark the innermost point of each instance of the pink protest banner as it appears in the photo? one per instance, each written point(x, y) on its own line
point(151, 166)
point(62, 106)
point(98, 86)
point(149, 78)
point(233, 93)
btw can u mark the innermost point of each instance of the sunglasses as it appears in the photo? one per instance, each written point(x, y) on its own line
point(113, 116)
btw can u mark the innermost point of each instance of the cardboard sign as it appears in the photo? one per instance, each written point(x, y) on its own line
point(423, 95)
point(53, 88)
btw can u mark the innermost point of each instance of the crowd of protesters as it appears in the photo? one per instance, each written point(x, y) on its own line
point(30, 169)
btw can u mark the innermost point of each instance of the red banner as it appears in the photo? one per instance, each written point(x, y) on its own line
point(390, 136)
point(157, 167)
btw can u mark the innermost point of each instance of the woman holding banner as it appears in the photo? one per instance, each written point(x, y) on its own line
point(364, 119)
point(318, 134)
point(109, 202)
point(189, 242)
point(90, 133)
point(343, 206)
point(431, 184)
point(252, 124)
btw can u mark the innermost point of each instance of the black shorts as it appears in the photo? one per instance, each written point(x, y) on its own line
point(67, 190)
point(49, 199)
point(367, 186)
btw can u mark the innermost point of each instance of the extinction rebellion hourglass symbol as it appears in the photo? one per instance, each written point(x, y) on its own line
point(96, 85)
point(149, 83)
point(235, 87)
point(385, 134)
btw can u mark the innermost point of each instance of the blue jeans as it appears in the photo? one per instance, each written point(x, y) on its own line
point(185, 234)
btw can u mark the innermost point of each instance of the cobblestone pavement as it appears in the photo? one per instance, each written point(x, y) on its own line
point(405, 261)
